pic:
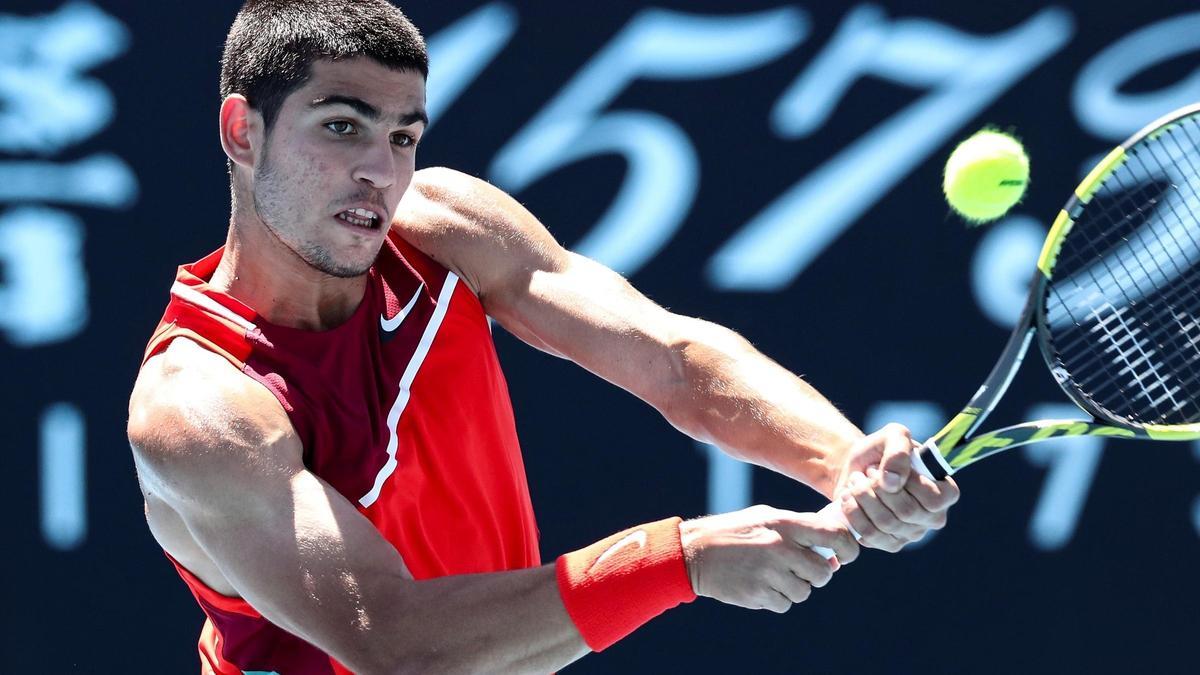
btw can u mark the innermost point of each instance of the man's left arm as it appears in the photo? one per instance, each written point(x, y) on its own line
point(706, 380)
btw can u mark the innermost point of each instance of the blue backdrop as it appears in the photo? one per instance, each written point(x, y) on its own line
point(771, 166)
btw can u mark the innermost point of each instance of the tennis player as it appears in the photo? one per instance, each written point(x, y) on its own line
point(324, 437)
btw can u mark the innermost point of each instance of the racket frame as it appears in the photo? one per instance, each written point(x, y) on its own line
point(954, 447)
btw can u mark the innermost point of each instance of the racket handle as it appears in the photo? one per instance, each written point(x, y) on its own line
point(833, 510)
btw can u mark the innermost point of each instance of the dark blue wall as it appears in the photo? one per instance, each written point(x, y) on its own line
point(726, 135)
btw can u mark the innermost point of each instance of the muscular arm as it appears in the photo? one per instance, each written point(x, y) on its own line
point(219, 451)
point(707, 381)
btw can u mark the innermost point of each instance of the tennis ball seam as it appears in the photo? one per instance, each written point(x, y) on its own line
point(986, 176)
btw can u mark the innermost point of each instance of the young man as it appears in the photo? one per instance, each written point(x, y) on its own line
point(323, 435)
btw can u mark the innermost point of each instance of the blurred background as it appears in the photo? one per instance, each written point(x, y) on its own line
point(771, 166)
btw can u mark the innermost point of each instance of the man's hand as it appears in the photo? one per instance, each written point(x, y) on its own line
point(761, 557)
point(883, 498)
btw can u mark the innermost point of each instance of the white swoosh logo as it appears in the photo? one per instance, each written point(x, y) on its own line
point(638, 538)
point(393, 323)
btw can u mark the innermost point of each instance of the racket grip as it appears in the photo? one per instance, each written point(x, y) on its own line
point(833, 510)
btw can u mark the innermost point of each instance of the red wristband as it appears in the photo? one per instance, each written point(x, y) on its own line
point(617, 584)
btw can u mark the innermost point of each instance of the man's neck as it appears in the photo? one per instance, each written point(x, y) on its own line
point(260, 271)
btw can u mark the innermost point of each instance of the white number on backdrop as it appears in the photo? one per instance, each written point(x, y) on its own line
point(47, 105)
point(1070, 469)
point(1109, 113)
point(44, 298)
point(459, 52)
point(663, 171)
point(965, 74)
point(63, 476)
point(1003, 268)
point(730, 481)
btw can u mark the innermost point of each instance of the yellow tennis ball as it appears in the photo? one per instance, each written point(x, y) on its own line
point(986, 176)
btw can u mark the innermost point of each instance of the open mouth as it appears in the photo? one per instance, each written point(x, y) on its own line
point(360, 218)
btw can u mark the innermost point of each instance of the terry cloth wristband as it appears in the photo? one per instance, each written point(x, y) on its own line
point(617, 584)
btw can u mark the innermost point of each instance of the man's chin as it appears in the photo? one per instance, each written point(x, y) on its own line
point(340, 269)
point(344, 273)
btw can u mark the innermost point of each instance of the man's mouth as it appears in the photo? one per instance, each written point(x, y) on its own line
point(363, 218)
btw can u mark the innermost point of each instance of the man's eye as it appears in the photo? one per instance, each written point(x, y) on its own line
point(340, 127)
point(404, 140)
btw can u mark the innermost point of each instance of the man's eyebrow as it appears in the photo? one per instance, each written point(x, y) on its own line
point(367, 110)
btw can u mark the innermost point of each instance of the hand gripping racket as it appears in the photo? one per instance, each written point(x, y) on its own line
point(1114, 306)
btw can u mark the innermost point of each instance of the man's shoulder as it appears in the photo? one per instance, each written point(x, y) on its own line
point(192, 406)
point(475, 229)
point(444, 199)
point(181, 372)
point(446, 183)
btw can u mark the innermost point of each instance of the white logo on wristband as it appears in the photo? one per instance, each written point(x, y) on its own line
point(638, 538)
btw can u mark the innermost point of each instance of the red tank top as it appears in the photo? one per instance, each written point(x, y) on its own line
point(403, 409)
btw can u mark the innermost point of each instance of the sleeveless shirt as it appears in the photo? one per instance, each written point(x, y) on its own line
point(403, 409)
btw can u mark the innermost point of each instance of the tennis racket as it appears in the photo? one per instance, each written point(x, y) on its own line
point(1114, 307)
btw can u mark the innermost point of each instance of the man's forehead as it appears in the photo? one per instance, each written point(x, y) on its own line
point(393, 92)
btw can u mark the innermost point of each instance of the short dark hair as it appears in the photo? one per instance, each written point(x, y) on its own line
point(272, 44)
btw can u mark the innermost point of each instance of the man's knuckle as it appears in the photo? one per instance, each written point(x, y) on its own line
point(867, 530)
point(907, 511)
point(828, 531)
point(845, 539)
point(810, 573)
point(888, 523)
point(875, 540)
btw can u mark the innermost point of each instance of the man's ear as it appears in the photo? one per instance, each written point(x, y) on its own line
point(240, 130)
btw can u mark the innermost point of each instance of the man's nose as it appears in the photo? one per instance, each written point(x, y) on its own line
point(377, 166)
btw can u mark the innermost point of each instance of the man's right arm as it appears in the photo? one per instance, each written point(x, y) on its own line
point(218, 449)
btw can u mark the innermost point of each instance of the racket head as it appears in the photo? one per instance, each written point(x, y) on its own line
point(1117, 290)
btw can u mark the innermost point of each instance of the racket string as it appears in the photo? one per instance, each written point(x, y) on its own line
point(1181, 274)
point(1135, 352)
point(1137, 359)
point(1174, 294)
point(1122, 358)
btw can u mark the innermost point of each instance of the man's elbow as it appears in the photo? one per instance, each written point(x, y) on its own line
point(692, 389)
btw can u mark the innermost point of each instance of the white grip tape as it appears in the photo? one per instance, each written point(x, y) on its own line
point(936, 454)
point(833, 510)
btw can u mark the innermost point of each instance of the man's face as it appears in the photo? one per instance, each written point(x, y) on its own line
point(343, 145)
